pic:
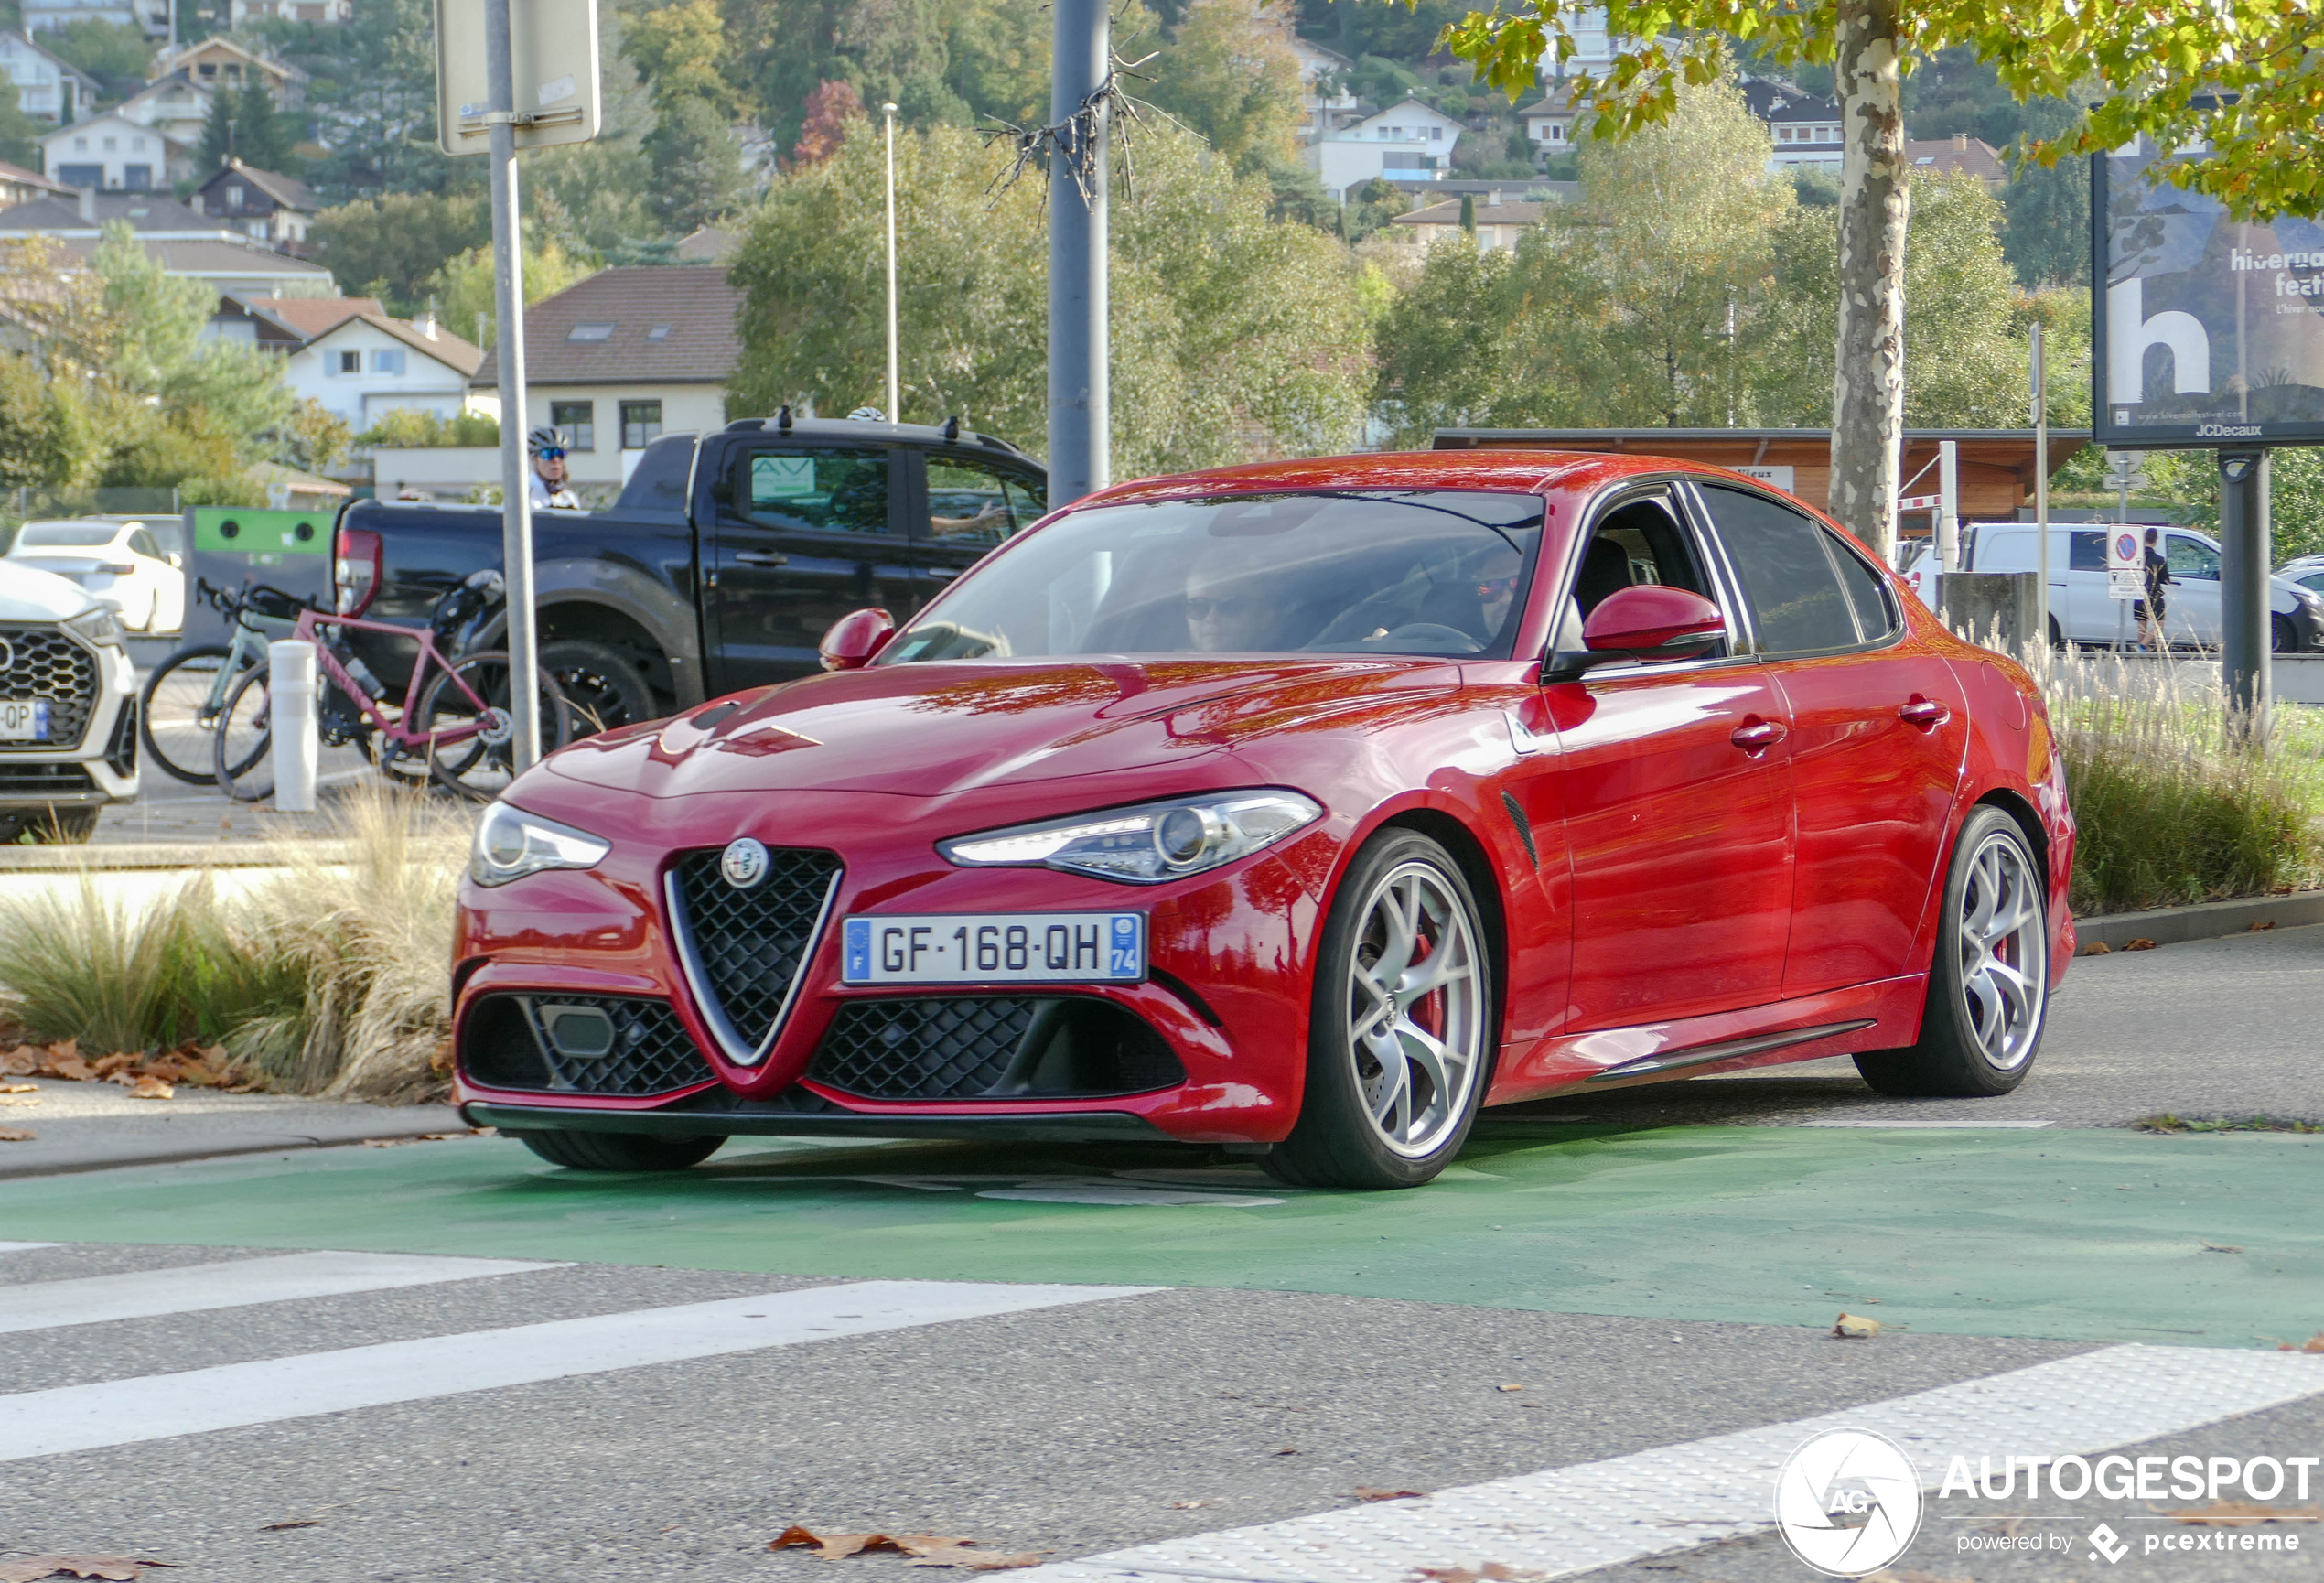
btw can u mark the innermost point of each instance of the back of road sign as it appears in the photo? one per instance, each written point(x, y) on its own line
point(2125, 564)
point(552, 53)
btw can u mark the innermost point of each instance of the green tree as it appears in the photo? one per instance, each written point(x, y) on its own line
point(676, 50)
point(1230, 74)
point(1443, 345)
point(2237, 77)
point(697, 170)
point(44, 436)
point(116, 55)
point(2047, 236)
point(18, 132)
point(263, 134)
point(465, 295)
point(1234, 334)
point(390, 246)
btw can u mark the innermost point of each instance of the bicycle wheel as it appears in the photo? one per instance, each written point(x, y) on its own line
point(243, 759)
point(178, 712)
point(471, 751)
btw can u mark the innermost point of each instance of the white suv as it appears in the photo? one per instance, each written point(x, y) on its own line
point(68, 708)
point(2081, 611)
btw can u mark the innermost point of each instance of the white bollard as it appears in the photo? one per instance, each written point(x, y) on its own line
point(292, 717)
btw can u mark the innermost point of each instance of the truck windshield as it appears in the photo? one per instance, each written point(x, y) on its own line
point(1375, 572)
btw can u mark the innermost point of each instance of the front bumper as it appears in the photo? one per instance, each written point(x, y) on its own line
point(102, 767)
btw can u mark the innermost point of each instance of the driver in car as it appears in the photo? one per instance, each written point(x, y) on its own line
point(1225, 613)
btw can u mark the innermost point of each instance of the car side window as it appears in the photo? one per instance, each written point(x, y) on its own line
point(141, 542)
point(1637, 542)
point(968, 502)
point(2192, 559)
point(830, 490)
point(1867, 591)
point(2088, 553)
point(1798, 602)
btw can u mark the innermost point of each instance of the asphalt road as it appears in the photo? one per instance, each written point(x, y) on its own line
point(1657, 1271)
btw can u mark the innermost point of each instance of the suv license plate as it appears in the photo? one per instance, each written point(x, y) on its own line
point(994, 948)
point(24, 719)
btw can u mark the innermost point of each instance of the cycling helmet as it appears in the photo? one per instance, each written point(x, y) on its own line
point(540, 440)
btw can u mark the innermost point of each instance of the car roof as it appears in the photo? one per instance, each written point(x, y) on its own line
point(1520, 471)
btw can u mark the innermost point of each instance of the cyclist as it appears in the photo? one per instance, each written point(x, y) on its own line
point(550, 490)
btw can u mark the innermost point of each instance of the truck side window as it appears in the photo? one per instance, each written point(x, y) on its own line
point(830, 490)
point(968, 502)
point(1028, 498)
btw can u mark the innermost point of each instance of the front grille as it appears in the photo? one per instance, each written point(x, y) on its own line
point(45, 664)
point(991, 1047)
point(43, 779)
point(505, 1044)
point(743, 949)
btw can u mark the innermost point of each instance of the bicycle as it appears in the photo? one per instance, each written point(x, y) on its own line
point(177, 711)
point(455, 721)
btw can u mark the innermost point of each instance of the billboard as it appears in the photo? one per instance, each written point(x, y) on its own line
point(2208, 331)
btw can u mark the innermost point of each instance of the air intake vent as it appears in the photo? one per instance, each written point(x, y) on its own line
point(991, 1047)
point(743, 947)
point(568, 1044)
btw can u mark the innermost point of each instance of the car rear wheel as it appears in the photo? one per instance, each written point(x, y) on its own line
point(1989, 984)
point(619, 1150)
point(1403, 1032)
point(2281, 636)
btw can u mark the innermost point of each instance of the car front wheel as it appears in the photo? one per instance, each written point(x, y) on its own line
point(1403, 1032)
point(1989, 984)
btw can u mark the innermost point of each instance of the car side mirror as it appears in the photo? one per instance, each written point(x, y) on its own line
point(855, 637)
point(1643, 621)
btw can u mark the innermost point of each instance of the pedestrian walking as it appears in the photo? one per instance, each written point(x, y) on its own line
point(2149, 611)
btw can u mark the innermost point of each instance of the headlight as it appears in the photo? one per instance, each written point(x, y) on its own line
point(511, 844)
point(1146, 844)
point(98, 626)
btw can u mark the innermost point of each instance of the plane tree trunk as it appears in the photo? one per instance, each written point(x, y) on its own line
point(1867, 384)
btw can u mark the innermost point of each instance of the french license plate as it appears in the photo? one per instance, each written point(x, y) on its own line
point(994, 948)
point(24, 719)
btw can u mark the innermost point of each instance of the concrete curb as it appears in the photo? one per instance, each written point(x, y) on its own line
point(2206, 921)
point(132, 855)
point(68, 1147)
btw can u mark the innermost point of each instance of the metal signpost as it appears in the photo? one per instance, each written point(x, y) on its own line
point(2212, 337)
point(1080, 420)
point(513, 74)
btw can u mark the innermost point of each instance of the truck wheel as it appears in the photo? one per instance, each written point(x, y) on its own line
point(618, 1150)
point(1989, 984)
point(602, 688)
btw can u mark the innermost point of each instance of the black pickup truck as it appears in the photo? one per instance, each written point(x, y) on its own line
point(722, 564)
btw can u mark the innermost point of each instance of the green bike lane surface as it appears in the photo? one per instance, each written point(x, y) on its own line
point(2070, 1234)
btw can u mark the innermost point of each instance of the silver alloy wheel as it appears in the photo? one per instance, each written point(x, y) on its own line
point(2005, 963)
point(1416, 1008)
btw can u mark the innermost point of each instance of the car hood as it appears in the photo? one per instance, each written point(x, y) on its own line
point(936, 730)
point(27, 594)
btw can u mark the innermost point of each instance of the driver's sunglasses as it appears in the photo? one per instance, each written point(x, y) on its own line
point(1492, 587)
point(552, 455)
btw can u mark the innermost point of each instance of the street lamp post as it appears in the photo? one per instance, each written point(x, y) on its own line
point(895, 402)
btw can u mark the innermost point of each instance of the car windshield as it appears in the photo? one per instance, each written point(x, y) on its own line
point(1372, 572)
point(68, 536)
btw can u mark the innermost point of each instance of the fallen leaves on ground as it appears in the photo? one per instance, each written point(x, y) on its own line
point(2140, 946)
point(292, 1523)
point(120, 1568)
point(2097, 948)
point(15, 1134)
point(2263, 924)
point(1510, 1387)
point(146, 1076)
point(1855, 1327)
point(1366, 1493)
point(925, 1549)
point(1490, 1572)
point(2315, 1343)
point(19, 1088)
point(1189, 1505)
point(2242, 1513)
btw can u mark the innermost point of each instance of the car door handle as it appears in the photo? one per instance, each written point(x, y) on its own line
point(1925, 713)
point(1756, 736)
point(761, 558)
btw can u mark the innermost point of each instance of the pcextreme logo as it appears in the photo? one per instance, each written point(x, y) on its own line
point(1848, 1502)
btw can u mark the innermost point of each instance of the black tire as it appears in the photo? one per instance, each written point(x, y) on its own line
point(2057, 635)
point(2282, 638)
point(480, 767)
point(1338, 1141)
point(242, 757)
point(183, 745)
point(619, 1150)
point(601, 687)
point(1955, 1056)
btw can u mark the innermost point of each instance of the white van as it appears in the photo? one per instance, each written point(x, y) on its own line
point(2081, 610)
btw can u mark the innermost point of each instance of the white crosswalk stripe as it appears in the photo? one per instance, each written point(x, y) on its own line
point(23, 1247)
point(145, 1294)
point(118, 1412)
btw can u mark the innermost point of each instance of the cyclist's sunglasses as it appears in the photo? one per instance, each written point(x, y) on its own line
point(552, 454)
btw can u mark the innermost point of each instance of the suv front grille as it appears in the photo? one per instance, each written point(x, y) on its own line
point(42, 662)
point(521, 1041)
point(743, 950)
point(991, 1047)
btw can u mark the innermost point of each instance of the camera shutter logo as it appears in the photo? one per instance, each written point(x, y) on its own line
point(1848, 1502)
point(744, 863)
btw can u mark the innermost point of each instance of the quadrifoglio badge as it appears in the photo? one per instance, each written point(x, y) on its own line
point(1849, 1502)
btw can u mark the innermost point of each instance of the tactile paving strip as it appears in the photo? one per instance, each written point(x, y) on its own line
point(1677, 1497)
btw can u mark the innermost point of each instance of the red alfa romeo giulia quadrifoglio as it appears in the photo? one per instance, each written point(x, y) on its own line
point(1310, 805)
